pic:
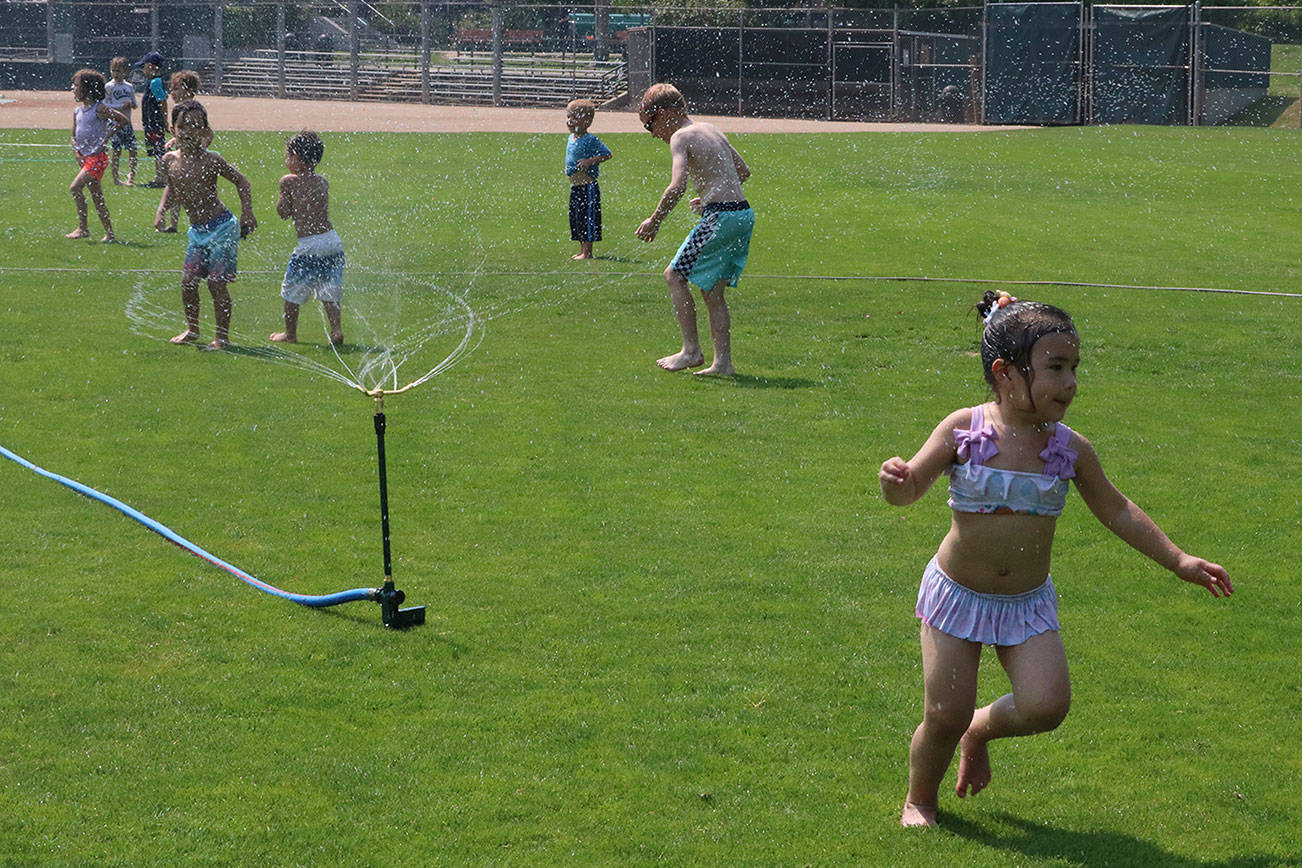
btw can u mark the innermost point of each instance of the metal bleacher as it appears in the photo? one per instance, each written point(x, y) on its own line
point(537, 81)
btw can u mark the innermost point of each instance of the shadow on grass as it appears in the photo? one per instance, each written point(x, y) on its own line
point(279, 351)
point(1271, 110)
point(749, 381)
point(1073, 847)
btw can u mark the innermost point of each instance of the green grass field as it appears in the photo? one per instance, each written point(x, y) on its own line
point(670, 619)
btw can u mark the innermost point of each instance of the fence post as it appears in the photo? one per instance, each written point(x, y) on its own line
point(424, 51)
point(497, 52)
point(1087, 65)
point(894, 113)
point(601, 30)
point(741, 57)
point(354, 47)
point(49, 30)
point(153, 25)
point(831, 68)
point(280, 49)
point(217, 56)
point(1196, 64)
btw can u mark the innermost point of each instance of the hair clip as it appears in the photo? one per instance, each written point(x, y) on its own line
point(1000, 303)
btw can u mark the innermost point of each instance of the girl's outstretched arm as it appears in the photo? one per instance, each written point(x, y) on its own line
point(903, 482)
point(1120, 515)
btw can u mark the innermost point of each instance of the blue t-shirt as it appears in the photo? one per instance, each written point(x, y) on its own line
point(581, 148)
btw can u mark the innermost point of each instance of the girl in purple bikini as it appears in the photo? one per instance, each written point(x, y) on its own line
point(1009, 462)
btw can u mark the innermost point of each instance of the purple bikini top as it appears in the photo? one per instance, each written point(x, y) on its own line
point(974, 487)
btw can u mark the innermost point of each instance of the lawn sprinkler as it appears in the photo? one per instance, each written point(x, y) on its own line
point(388, 596)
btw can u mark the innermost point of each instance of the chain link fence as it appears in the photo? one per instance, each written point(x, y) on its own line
point(1054, 62)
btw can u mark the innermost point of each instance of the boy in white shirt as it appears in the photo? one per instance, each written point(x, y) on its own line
point(120, 94)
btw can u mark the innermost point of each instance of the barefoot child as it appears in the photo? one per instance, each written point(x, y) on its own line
point(316, 267)
point(714, 253)
point(583, 153)
point(190, 175)
point(1009, 462)
point(121, 95)
point(184, 85)
point(92, 125)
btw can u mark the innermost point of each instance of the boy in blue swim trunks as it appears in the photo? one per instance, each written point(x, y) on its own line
point(190, 175)
point(714, 253)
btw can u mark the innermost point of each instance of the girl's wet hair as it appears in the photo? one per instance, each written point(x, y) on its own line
point(1011, 331)
point(88, 84)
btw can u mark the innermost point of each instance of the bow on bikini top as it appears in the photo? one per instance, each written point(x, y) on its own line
point(974, 487)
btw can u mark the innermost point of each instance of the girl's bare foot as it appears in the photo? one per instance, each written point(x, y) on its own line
point(284, 338)
point(108, 238)
point(214, 346)
point(715, 369)
point(973, 767)
point(78, 233)
point(186, 336)
point(918, 815)
point(681, 360)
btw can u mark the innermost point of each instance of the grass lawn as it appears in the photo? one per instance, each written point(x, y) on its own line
point(670, 618)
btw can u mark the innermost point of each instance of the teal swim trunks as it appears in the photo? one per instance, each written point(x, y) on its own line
point(717, 247)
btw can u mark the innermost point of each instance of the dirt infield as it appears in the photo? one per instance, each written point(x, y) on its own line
point(45, 109)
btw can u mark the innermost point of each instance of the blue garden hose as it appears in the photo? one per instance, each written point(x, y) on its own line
point(313, 601)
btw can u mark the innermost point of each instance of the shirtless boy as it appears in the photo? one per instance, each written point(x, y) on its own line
point(316, 267)
point(184, 85)
point(191, 178)
point(714, 253)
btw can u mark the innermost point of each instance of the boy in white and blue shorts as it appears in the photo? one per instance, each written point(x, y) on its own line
point(316, 267)
point(315, 270)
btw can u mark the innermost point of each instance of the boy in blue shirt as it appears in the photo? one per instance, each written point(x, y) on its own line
point(583, 153)
point(153, 113)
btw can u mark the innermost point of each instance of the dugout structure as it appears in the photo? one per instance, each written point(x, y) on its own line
point(1000, 63)
point(1065, 63)
point(876, 64)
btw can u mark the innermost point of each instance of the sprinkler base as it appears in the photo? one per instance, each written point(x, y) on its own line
point(390, 598)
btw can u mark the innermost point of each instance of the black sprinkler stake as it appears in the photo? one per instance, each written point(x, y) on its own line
point(389, 597)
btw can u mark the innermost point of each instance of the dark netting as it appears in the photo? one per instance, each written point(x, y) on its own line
point(1141, 65)
point(1033, 63)
point(702, 62)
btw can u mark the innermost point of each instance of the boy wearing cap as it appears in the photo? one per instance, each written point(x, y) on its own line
point(153, 113)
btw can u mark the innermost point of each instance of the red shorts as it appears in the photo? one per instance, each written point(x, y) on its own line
point(95, 164)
